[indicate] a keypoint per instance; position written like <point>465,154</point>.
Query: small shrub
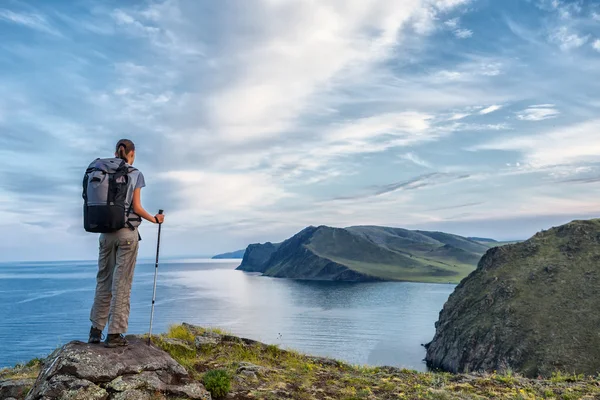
<point>180,332</point>
<point>36,362</point>
<point>273,351</point>
<point>218,331</point>
<point>217,382</point>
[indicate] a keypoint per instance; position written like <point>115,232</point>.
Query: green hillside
<point>530,307</point>
<point>363,253</point>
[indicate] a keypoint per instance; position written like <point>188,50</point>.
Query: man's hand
<point>160,218</point>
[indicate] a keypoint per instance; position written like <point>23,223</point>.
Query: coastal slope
<point>366,253</point>
<point>230,255</point>
<point>530,307</point>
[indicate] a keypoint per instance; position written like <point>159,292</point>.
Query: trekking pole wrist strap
<point>156,219</point>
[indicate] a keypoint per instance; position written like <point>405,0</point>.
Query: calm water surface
<point>44,305</point>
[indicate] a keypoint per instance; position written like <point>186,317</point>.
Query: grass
<point>283,373</point>
<point>30,370</point>
<point>428,270</point>
<point>289,374</point>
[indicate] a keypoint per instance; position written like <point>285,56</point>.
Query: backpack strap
<point>131,169</point>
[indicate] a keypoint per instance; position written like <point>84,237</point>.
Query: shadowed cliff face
<point>366,253</point>
<point>530,307</point>
<point>257,256</point>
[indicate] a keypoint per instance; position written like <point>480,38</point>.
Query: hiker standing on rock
<point>113,207</point>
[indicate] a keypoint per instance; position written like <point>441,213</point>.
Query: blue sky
<point>256,118</point>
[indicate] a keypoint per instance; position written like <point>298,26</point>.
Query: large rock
<point>83,371</point>
<point>530,307</point>
<point>15,388</point>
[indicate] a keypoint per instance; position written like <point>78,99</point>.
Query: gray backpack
<point>105,190</point>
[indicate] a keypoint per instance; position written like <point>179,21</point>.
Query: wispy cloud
<point>463,33</point>
<point>454,25</point>
<point>30,20</point>
<point>490,109</point>
<point>569,144</point>
<point>538,113</point>
<point>568,40</point>
<point>596,45</point>
<point>418,182</point>
<point>458,116</point>
<point>415,159</point>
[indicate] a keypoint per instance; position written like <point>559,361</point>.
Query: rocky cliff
<point>530,307</point>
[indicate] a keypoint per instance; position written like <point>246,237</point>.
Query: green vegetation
<point>29,370</point>
<point>244,369</point>
<point>531,306</point>
<point>497,244</point>
<point>181,333</point>
<point>217,382</point>
<point>288,374</point>
<point>364,253</point>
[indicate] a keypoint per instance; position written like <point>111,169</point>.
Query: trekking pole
<point>155,276</point>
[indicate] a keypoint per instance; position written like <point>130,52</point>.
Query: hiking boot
<point>116,340</point>
<point>95,336</point>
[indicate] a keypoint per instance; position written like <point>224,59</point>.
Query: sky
<point>253,119</point>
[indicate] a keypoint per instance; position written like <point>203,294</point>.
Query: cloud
<point>418,182</point>
<point>313,46</point>
<point>490,109</point>
<point>571,144</point>
<point>415,159</point>
<point>453,207</point>
<point>538,113</point>
<point>452,23</point>
<point>463,33</point>
<point>224,196</point>
<point>30,20</point>
<point>596,45</point>
<point>251,116</point>
<point>458,116</point>
<point>568,40</point>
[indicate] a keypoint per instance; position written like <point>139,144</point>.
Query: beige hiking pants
<point>118,253</point>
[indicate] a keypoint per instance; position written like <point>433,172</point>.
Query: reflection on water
<point>44,305</point>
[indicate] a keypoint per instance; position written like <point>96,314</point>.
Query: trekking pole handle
<point>160,212</point>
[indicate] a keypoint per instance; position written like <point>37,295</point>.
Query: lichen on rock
<point>83,371</point>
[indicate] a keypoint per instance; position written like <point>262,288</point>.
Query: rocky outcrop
<point>83,371</point>
<point>16,389</point>
<point>530,307</point>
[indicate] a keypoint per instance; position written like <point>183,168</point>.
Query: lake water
<point>45,305</point>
